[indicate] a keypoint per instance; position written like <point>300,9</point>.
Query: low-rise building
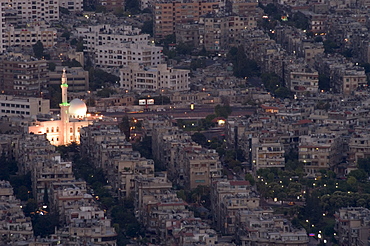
<point>352,225</point>
<point>261,227</point>
<point>227,198</point>
<point>137,77</point>
<point>23,106</point>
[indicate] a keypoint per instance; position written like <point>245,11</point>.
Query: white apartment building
<point>136,77</point>
<point>303,81</point>
<point>72,5</point>
<point>266,155</point>
<point>123,53</point>
<point>23,106</point>
<point>29,36</point>
<point>36,10</point>
<point>98,35</point>
<point>2,26</point>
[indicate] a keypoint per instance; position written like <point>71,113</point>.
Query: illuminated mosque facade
<point>72,118</point>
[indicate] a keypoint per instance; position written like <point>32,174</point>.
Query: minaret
<point>64,110</point>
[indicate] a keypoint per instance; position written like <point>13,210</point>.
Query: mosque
<point>72,118</point>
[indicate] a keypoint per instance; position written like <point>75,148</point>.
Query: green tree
<point>38,49</point>
<point>147,27</point>
<point>66,35</point>
<point>132,6</point>
<point>330,46</point>
<point>199,138</point>
<point>51,66</point>
<point>124,126</point>
<point>249,177</point>
<point>223,111</point>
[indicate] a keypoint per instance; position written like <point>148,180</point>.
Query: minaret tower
<point>64,109</point>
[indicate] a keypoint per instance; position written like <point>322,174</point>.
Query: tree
<point>242,66</point>
<point>124,126</point>
<point>249,177</point>
<point>51,66</point>
<point>364,164</point>
<point>147,27</point>
<point>324,82</point>
<point>199,138</point>
<point>330,46</point>
<point>283,92</point>
<point>38,49</point>
<point>66,35</point>
<point>132,6</point>
<point>223,111</point>
<point>359,174</point>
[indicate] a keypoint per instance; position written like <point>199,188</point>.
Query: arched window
<point>52,129</point>
<point>57,129</point>
<point>47,129</point>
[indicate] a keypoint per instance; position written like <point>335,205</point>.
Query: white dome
<point>77,108</point>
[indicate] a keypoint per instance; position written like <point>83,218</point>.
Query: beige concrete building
<point>14,226</point>
<point>303,80</point>
<point>319,152</point>
<point>36,10</point>
<point>267,155</point>
<point>352,226</point>
<point>22,76</point>
<point>78,78</point>
<point>121,54</point>
<point>23,106</point>
<point>167,14</point>
<point>26,37</point>
<point>261,227</point>
<point>227,198</point>
<point>137,77</point>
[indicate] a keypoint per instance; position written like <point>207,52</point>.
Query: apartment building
<point>359,148</point>
<point>78,78</point>
<point>215,32</point>
<point>267,155</point>
<point>302,80</point>
<point>122,169</point>
<point>201,166</point>
<point>352,226</point>
<point>23,106</point>
<point>26,37</point>
<point>319,152</point>
<point>2,26</point>
<point>262,227</point>
<point>72,6</point>
<point>31,10</point>
<point>167,14</point>
<point>22,77</point>
<point>227,198</point>
<point>85,221</point>
<point>14,226</point>
<point>113,4</point>
<point>137,77</point>
<point>46,172</point>
<point>104,34</point>
<point>121,54</point>
<point>67,195</point>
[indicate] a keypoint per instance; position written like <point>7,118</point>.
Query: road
<point>182,113</point>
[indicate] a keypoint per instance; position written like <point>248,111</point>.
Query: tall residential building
<point>26,37</point>
<point>169,13</point>
<point>123,53</point>
<point>19,76</point>
<point>2,26</point>
<point>136,77</point>
<point>32,10</point>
